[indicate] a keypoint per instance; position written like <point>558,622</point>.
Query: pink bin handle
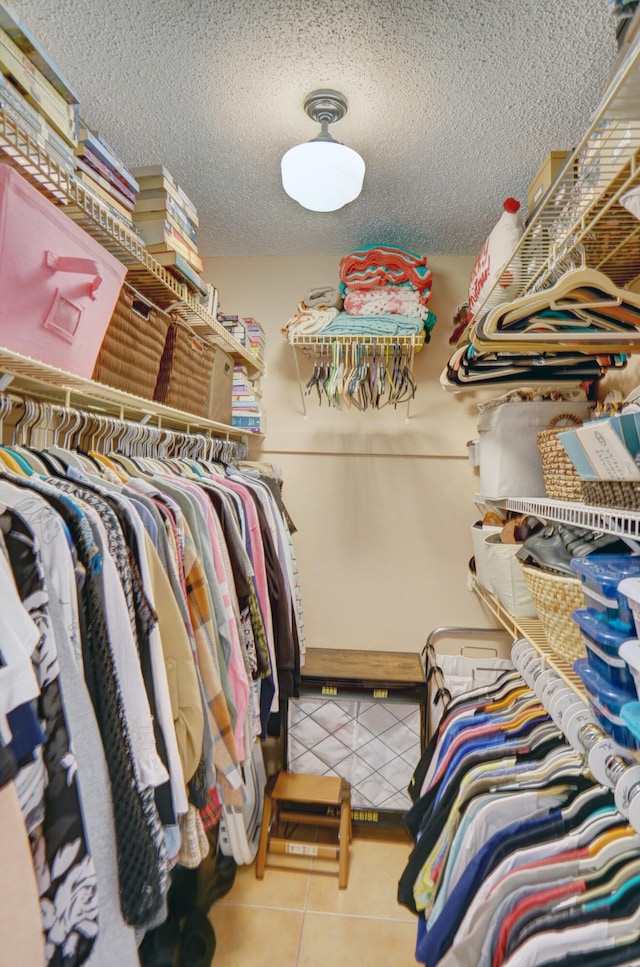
<point>63,263</point>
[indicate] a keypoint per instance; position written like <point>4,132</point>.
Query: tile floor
<point>297,917</point>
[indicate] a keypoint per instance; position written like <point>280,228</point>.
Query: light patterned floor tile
<point>338,941</point>
<point>374,870</point>
<point>248,937</point>
<point>285,885</point>
<point>297,918</point>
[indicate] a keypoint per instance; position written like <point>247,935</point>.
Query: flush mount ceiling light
<point>323,175</point>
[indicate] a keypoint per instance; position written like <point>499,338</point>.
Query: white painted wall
<point>383,507</point>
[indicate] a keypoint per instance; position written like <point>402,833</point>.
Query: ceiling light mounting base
<point>325,105</point>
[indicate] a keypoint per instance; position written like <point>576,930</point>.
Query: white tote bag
<point>507,578</point>
<point>478,534</point>
<point>510,464</point>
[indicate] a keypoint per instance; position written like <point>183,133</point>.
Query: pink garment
<point>256,553</point>
<point>386,300</point>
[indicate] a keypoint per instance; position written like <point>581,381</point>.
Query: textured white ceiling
<point>453,105</point>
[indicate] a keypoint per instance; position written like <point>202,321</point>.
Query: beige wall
<point>383,505</point>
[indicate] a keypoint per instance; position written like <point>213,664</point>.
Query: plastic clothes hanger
<point>578,291</point>
<point>607,887</point>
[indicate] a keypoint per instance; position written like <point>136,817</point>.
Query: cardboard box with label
<point>220,389</point>
<point>545,177</point>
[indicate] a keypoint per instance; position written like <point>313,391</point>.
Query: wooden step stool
<point>290,788</point>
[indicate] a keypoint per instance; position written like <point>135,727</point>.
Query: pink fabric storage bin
<point>58,286</point>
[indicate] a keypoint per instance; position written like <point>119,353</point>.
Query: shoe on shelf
<point>548,551</point>
<point>198,942</point>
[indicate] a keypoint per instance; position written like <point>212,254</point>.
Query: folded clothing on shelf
<point>388,325</point>
<point>376,265</point>
<point>385,300</point>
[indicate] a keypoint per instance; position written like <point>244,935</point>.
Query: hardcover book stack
<point>167,220</point>
<point>246,406</point>
<point>104,174</point>
<point>36,96</point>
<point>235,326</point>
<point>255,338</point>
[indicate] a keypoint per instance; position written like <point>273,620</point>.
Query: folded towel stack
<point>314,313</point>
<point>387,286</point>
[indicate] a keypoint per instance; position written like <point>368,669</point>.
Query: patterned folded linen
<point>377,265</point>
<point>308,322</point>
<point>385,300</point>
<point>323,296</point>
<point>391,325</point>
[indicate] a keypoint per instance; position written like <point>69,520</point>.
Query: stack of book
<point>255,337</point>
<point>104,174</point>
<point>18,110</point>
<point>236,327</point>
<point>167,220</point>
<point>32,71</point>
<point>246,403</point>
<point>36,98</point>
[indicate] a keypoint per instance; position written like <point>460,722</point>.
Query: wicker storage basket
<point>132,348</point>
<point>556,597</point>
<point>561,479</point>
<point>624,494</point>
<point>185,370</point>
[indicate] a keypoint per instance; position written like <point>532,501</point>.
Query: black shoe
<point>182,893</point>
<point>198,943</point>
<point>160,944</point>
<point>216,883</point>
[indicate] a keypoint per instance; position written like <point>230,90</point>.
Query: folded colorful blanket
<point>323,296</point>
<point>308,322</point>
<point>385,300</point>
<point>391,325</point>
<point>377,265</point>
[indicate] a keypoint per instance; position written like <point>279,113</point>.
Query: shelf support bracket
<point>304,405</point>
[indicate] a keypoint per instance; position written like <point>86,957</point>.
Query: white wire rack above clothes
<point>39,423</point>
<point>358,372</point>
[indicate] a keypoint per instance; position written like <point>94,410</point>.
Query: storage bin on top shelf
<point>58,286</point>
<point>605,454</point>
<point>510,462</point>
<point>133,345</point>
<point>185,370</point>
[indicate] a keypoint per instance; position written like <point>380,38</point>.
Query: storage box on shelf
<point>606,702</point>
<point>555,597</point>
<point>58,286</point>
<point>506,577</point>
<point>144,272</point>
<point>185,370</point>
<point>133,345</point>
<point>603,645</point>
<point>575,213</point>
<point>510,460</point>
<point>601,577</point>
<point>544,178</point>
<point>219,395</point>
<point>479,532</point>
